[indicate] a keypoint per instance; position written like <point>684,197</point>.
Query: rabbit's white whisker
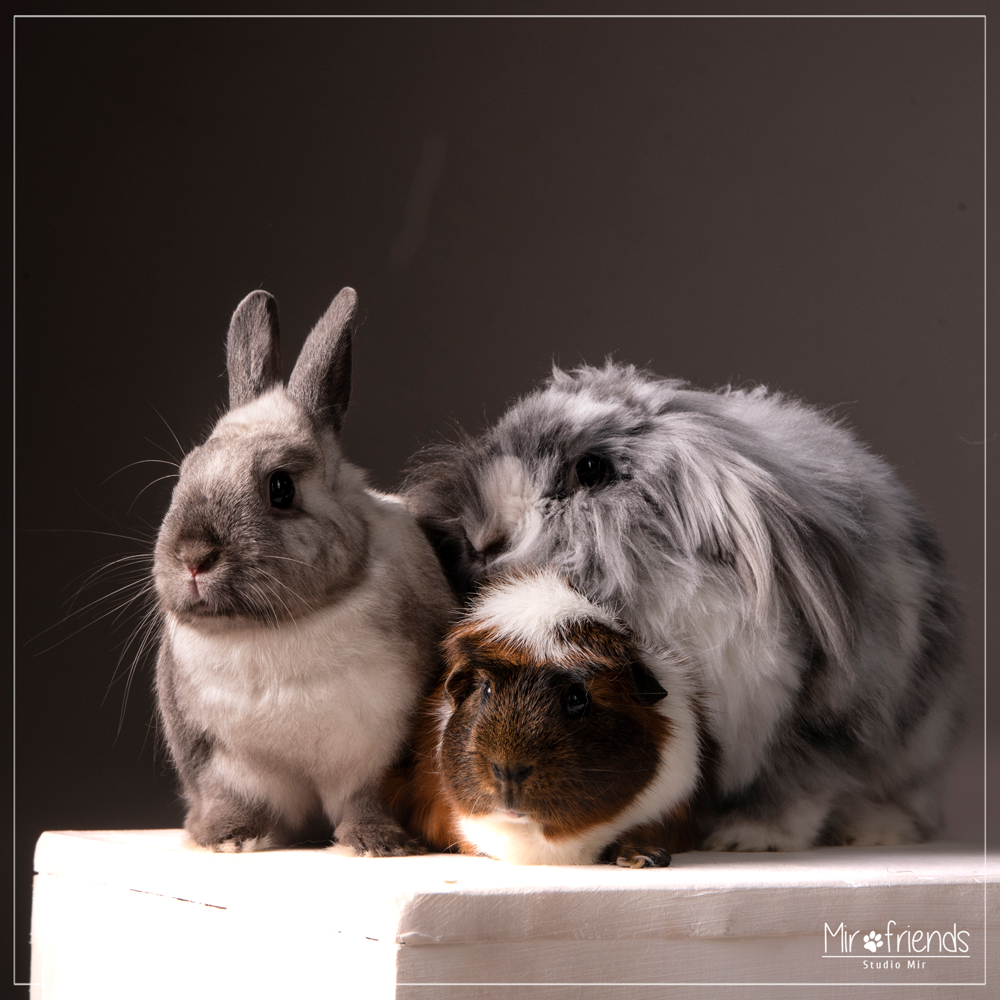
<point>141,461</point>
<point>147,486</point>
<point>180,447</point>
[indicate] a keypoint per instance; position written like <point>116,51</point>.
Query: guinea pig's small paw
<point>635,861</point>
<point>654,857</point>
<point>379,840</point>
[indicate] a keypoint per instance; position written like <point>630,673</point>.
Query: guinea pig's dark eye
<point>592,470</point>
<point>576,701</point>
<point>282,490</point>
<point>487,688</point>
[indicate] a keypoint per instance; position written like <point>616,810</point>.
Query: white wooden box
<point>137,914</point>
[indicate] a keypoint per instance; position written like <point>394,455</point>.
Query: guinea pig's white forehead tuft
<point>529,610</point>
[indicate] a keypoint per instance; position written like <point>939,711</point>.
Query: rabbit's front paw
<point>877,824</point>
<point>379,839</point>
<point>794,828</point>
<point>230,831</point>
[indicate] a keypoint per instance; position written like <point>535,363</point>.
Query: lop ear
<point>647,688</point>
<point>253,351</point>
<point>321,380</point>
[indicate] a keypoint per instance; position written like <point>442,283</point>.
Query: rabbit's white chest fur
<point>311,710</point>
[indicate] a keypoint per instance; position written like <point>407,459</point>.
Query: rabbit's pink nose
<point>196,566</point>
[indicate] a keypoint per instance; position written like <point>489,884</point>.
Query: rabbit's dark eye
<point>592,470</point>
<point>282,490</point>
<point>576,702</point>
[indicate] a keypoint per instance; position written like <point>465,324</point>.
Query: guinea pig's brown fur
<point>550,739</point>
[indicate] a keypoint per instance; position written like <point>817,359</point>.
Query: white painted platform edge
<point>438,899</point>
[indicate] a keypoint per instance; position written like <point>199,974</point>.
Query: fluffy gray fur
<point>759,538</point>
<point>300,625</point>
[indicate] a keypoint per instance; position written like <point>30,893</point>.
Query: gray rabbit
<point>758,538</point>
<point>301,612</point>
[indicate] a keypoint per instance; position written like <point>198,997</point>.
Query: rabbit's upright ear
<point>321,380</point>
<point>253,351</point>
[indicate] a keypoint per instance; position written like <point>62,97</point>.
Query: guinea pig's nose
<point>511,772</point>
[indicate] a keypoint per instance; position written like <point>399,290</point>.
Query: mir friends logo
<point>895,947</point>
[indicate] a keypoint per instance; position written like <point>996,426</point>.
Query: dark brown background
<point>794,202</point>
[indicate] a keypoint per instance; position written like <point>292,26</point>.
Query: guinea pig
<point>552,738</point>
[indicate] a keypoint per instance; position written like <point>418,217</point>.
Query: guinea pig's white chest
<point>308,694</point>
<point>522,842</point>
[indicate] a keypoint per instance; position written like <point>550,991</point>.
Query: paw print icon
<point>873,941</point>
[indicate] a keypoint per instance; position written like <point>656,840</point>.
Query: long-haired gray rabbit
<point>301,612</point>
<point>782,558</point>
